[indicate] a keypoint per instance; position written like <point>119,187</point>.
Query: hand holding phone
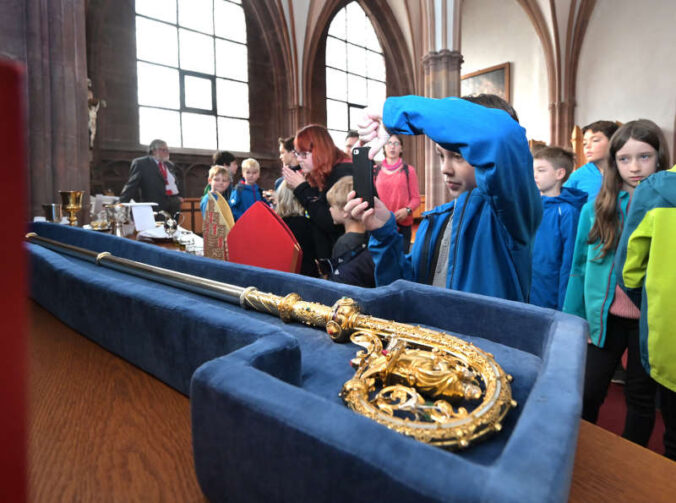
<point>362,168</point>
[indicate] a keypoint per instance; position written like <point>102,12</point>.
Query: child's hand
<point>372,218</point>
<point>371,129</point>
<point>270,196</point>
<point>293,178</point>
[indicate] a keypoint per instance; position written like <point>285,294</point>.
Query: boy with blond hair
<point>351,261</point>
<point>246,193</point>
<point>219,180</point>
<point>555,238</point>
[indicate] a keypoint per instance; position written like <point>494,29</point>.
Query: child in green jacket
<point>645,267</point>
<point>637,150</point>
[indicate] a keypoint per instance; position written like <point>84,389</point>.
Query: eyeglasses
<point>394,143</point>
<point>301,155</point>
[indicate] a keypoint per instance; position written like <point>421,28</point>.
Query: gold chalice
<point>72,203</point>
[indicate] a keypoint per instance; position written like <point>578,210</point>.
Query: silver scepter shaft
<point>216,289</point>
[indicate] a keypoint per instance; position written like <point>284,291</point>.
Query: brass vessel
<point>71,201</point>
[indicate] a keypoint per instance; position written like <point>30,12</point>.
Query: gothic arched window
<point>355,70</point>
<point>192,68</point>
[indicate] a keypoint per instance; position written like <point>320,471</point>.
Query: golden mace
<point>424,383</point>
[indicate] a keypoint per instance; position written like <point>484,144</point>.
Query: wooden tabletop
<point>103,430</point>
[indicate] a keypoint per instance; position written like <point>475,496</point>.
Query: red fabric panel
<point>261,238</point>
<point>13,336</point>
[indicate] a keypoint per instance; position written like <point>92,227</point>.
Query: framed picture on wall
<point>492,80</point>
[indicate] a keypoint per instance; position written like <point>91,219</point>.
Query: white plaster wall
<point>497,31</point>
<point>627,66</point>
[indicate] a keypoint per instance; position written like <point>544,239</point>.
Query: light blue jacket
<point>493,225</point>
<point>587,178</point>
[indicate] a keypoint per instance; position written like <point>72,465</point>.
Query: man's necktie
<point>163,172</point>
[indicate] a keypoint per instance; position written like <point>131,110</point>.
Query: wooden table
<point>104,430</point>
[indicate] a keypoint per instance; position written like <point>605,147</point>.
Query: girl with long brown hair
<point>322,164</point>
<point>637,150</point>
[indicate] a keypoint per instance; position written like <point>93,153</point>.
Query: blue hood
<point>570,195</point>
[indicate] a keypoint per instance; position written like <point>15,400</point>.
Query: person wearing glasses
<point>321,165</point>
<point>152,178</point>
<point>397,187</point>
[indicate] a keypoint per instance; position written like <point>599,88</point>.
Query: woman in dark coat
<point>322,164</point>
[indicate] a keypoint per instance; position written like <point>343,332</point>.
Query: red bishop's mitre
<point>262,239</point>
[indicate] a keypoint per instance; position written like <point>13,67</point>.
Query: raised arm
<point>490,140</point>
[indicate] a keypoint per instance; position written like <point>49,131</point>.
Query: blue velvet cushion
<point>262,434</point>
<point>268,424</point>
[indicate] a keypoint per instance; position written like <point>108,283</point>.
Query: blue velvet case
<point>268,424</point>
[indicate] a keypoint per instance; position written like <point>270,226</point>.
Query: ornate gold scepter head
<point>424,383</point>
<point>390,383</point>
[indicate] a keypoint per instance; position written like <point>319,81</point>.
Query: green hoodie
<point>646,269</point>
<point>591,287</point>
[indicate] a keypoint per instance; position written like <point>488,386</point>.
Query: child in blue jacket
<point>246,193</point>
<point>555,238</point>
<point>595,141</point>
<point>481,241</point>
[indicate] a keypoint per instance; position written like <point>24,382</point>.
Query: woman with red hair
<point>322,164</point>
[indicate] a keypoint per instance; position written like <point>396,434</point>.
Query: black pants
<point>668,404</point>
<point>621,334</point>
<point>639,390</point>
<point>405,230</point>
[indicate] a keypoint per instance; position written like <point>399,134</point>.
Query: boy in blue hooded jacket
<point>480,242</point>
<point>555,238</point>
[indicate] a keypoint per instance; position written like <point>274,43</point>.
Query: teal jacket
<point>646,270</point>
<point>591,287</point>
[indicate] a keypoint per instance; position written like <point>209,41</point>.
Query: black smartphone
<point>295,168</point>
<point>362,170</point>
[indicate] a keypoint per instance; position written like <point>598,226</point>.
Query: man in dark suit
<point>153,179</point>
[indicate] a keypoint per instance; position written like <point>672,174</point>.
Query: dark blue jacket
<point>243,197</point>
<point>554,246</point>
<point>493,225</point>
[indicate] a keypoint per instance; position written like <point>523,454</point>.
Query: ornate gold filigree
<point>424,383</point>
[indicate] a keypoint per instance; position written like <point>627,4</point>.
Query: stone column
<point>58,156</point>
<point>441,79</point>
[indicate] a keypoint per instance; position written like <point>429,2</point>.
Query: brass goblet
<point>72,203</point>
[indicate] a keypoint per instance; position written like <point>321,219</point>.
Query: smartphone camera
<point>362,168</point>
